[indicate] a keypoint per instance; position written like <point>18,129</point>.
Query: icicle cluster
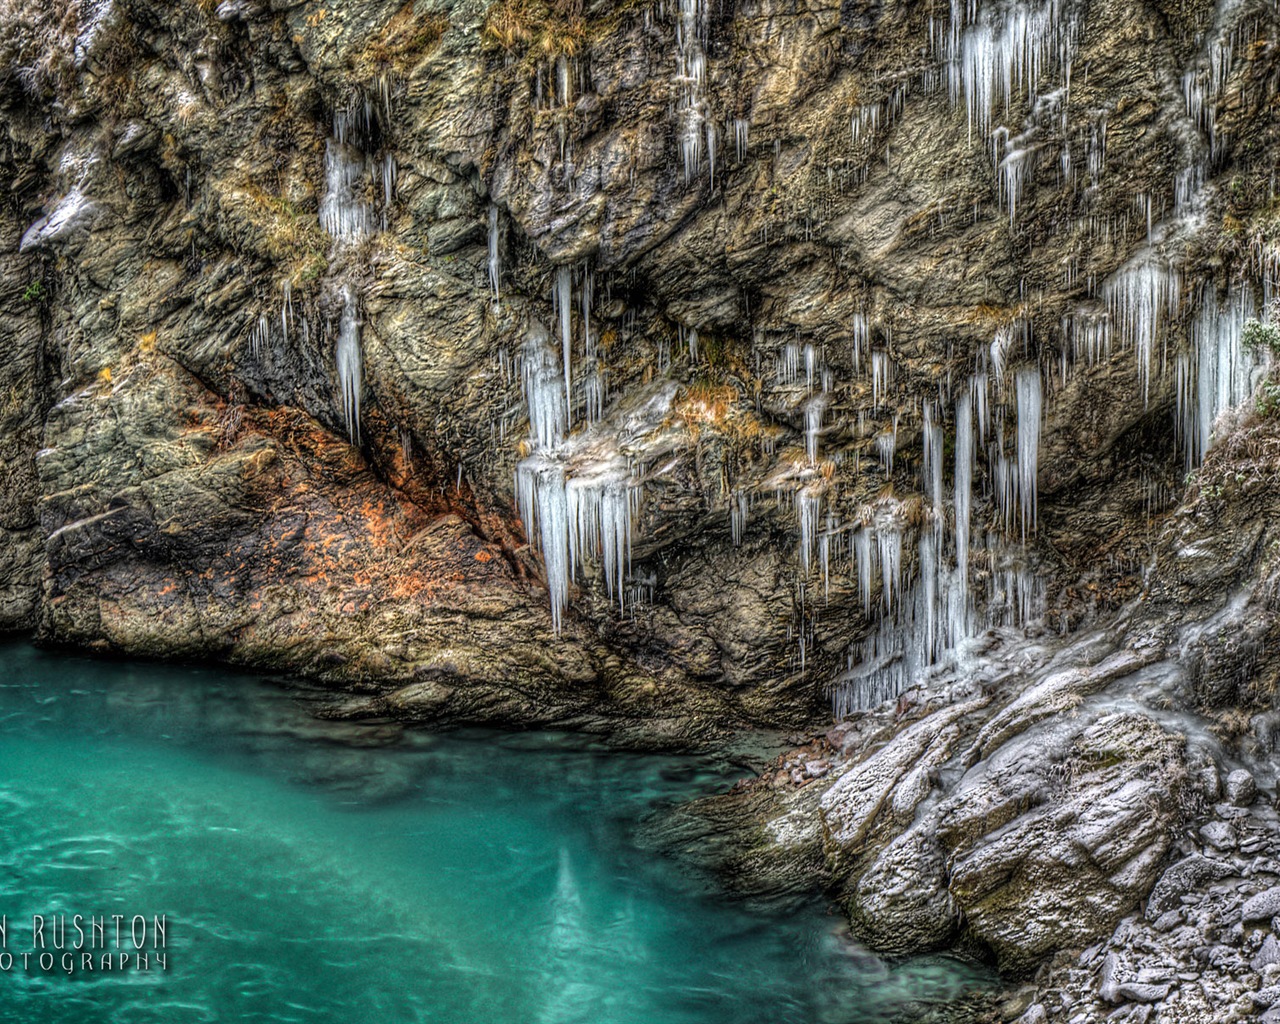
<point>697,129</point>
<point>924,623</point>
<point>1218,373</point>
<point>577,493</point>
<point>1142,296</point>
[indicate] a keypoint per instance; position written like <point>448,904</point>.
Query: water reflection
<point>321,870</point>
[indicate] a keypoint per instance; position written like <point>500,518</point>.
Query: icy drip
<point>1218,374</point>
<point>344,212</point>
<point>1203,84</point>
<point>348,361</point>
<point>933,455</point>
<point>790,359</point>
<point>693,111</point>
<point>923,622</point>
<point>738,513</point>
<point>813,412</point>
<point>999,53</point>
<point>594,389</point>
<point>600,509</point>
<point>964,487</point>
<point>562,301</point>
<point>886,446</point>
<point>543,391</point>
<point>915,630</point>
<point>1142,297</point>
<point>1030,411</point>
<point>577,495</point>
<point>588,515</point>
<point>259,336</point>
<point>860,332</point>
<point>881,376</point>
<point>540,494</point>
<point>495,256</point>
<point>808,508</point>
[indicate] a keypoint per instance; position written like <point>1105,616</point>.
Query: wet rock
<point>1219,835</point>
<point>1240,789</point>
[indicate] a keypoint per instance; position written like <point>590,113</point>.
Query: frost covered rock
<point>1035,865</point>
<point>901,903</point>
<point>73,213</point>
<point>1181,878</point>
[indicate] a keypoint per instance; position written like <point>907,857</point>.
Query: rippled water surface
<point>317,871</point>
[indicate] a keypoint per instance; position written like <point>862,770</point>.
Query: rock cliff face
<point>662,367</point>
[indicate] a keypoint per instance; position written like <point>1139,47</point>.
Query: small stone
<point>1219,835</point>
<point>1240,788</point>
<point>1179,879</point>
<point>1210,783</point>
<point>1035,1015</point>
<point>1272,1016</point>
<point>1268,954</point>
<point>1108,978</point>
<point>1137,992</point>
<point>1265,997</point>
<point>1262,907</point>
<point>1167,922</point>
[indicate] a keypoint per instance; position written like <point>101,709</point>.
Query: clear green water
<point>316,871</point>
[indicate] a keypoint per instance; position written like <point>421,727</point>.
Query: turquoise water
<point>320,871</point>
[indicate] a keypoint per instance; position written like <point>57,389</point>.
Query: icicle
<point>886,445</point>
<point>541,497</point>
<point>1030,405</point>
<point>866,566</point>
<point>693,111</point>
<point>813,410</point>
<point>964,485</point>
<point>495,256</point>
<point>808,505</point>
<point>1002,54</point>
<point>861,336</point>
<point>562,299</point>
<point>259,336</point>
<point>349,363</point>
<point>543,390</point>
<point>738,509</point>
<point>789,363</point>
<point>881,376</point>
<point>933,454</point>
<point>600,506</point>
